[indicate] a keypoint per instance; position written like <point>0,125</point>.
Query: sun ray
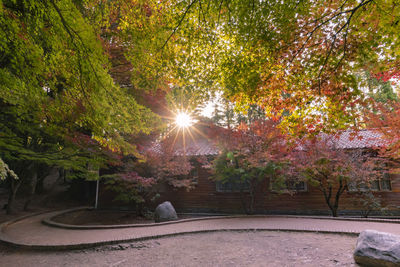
<point>200,133</point>
<point>184,142</point>
<point>191,136</point>
<point>176,137</point>
<point>183,119</point>
<point>170,131</point>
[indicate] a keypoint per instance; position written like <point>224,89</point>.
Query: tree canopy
<point>54,67</point>
<point>81,82</point>
<point>298,57</point>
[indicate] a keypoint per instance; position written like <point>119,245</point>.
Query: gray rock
<point>377,249</point>
<point>165,212</point>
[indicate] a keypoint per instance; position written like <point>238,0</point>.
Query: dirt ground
<point>247,248</point>
<point>94,217</point>
<point>106,217</point>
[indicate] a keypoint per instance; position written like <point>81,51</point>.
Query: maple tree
<point>130,183</point>
<point>52,58</point>
<point>385,118</point>
<point>250,154</point>
<point>55,87</point>
<point>298,57</point>
<point>31,149</point>
<point>162,162</point>
<point>369,202</point>
<point>381,90</point>
<point>331,169</point>
<point>169,163</point>
<point>91,69</point>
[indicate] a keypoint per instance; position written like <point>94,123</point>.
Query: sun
<point>183,120</point>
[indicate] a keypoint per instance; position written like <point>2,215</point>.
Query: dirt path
<point>248,248</point>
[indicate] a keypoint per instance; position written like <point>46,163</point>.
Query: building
<point>209,196</point>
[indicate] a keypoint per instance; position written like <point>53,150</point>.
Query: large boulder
<point>165,212</point>
<point>377,249</point>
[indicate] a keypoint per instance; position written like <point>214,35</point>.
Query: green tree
<point>55,86</point>
<point>381,91</point>
<point>52,58</point>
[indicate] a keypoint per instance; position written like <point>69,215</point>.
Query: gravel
<point>245,248</point>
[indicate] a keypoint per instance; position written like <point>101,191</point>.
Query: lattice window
<point>231,186</point>
<point>380,184</point>
<point>293,186</point>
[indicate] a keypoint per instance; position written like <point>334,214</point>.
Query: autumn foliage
<point>250,154</point>
<point>320,162</point>
<point>385,118</point>
<point>136,180</point>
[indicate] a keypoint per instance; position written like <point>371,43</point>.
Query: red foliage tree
<point>250,154</point>
<point>385,118</point>
<point>331,169</point>
<point>169,164</point>
<point>135,179</point>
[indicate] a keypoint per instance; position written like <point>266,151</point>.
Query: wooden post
<point>97,194</point>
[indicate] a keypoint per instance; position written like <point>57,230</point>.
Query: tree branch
<point>179,23</point>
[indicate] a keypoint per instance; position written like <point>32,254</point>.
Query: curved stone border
<point>4,238</point>
<point>49,221</point>
<point>129,240</point>
<point>5,224</point>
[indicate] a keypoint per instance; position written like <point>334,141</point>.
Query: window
<point>354,187</point>
<point>231,186</point>
<point>286,186</point>
<point>381,184</point>
<point>299,186</point>
<point>194,175</point>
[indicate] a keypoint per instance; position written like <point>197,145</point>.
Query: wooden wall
<point>205,198</point>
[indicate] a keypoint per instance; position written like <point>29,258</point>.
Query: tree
<point>136,180</point>
<point>168,163</point>
<point>131,183</point>
<point>251,154</point>
<point>300,57</point>
<point>6,172</point>
<point>331,169</point>
<point>381,90</point>
<point>385,117</point>
<point>31,148</point>
<point>55,85</point>
<point>368,202</point>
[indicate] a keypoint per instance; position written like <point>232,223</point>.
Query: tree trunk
<point>336,205</point>
<point>61,173</point>
<point>252,200</point>
<point>42,172</point>
<point>334,211</point>
<point>339,192</point>
<point>14,185</point>
<point>32,189</point>
<point>243,201</point>
<point>327,197</point>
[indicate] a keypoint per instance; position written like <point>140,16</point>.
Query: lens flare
<point>183,120</point>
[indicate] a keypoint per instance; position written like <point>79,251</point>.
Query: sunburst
<point>183,120</point>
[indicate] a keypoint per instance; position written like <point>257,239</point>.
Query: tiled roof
<point>200,147</point>
<point>368,138</point>
<point>195,143</point>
